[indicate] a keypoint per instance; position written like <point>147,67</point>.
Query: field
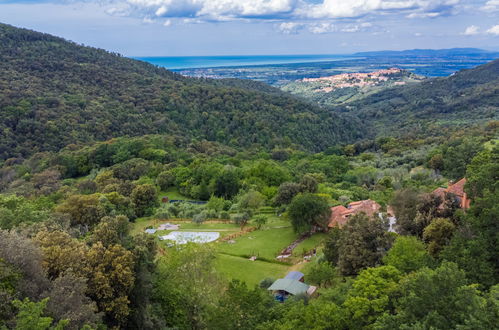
<point>251,272</point>
<point>233,258</point>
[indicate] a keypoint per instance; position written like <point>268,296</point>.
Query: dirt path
<point>289,249</point>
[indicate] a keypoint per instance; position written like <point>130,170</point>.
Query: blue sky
<point>251,27</point>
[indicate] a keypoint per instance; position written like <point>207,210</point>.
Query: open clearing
<point>251,272</point>
<point>233,258</point>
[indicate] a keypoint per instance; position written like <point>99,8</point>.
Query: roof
<point>340,214</point>
<point>291,286</point>
<point>457,188</point>
<point>294,276</point>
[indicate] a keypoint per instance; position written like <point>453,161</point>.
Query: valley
<point>359,196</point>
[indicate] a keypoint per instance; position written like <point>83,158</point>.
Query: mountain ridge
<point>54,92</point>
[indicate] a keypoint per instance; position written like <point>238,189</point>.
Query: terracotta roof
<point>457,188</point>
<point>340,214</point>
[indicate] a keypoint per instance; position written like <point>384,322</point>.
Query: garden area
<point>248,252</point>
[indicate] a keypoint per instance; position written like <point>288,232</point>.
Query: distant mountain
<point>428,52</point>
<point>54,93</point>
<point>349,87</point>
<point>467,97</point>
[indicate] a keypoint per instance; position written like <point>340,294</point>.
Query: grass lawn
<point>309,243</point>
<point>265,243</point>
<point>251,272</point>
<point>172,193</point>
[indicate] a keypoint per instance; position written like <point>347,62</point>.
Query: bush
<point>199,218</point>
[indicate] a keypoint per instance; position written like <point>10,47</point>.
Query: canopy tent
<point>293,287</point>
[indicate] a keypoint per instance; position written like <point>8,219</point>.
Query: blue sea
<point>194,62</point>
<point>280,69</point>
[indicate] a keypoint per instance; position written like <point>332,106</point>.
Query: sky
<point>260,27</point>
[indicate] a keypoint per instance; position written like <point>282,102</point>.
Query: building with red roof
<point>456,189</point>
<point>340,214</point>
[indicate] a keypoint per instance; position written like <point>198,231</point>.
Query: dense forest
<point>54,92</point>
<point>102,155</point>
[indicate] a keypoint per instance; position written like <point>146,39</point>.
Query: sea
<point>196,62</point>
<point>281,69</point>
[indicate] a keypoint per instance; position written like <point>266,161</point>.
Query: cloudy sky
<point>232,27</point>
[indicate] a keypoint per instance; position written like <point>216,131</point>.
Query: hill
<point>349,87</point>
<point>465,98</point>
<point>54,92</point>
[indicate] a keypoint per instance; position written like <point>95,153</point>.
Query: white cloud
<point>471,30</point>
<point>494,30</point>
<point>491,5</point>
<point>224,10</point>
<point>290,27</point>
<point>321,28</point>
<point>357,8</point>
<point>168,22</point>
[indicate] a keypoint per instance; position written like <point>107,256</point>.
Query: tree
<point>83,209</point>
<point>404,204</point>
<point>438,234</point>
<point>251,201</point>
<point>286,192</point>
<point>111,230</point>
<point>227,184</point>
<point>241,308</point>
<point>30,316</point>
<point>307,211</point>
<point>474,246</point>
<point>145,199</point>
<point>260,220</point>
<point>370,295</point>
<point>110,273</point>
<point>215,203</point>
<point>482,174</point>
<point>25,257</point>
<point>434,299</point>
<point>317,314</point>
<point>61,252</point>
<point>165,180</point>
<point>308,184</point>
<point>199,218</point>
<point>67,301</point>
<point>407,254</point>
<point>361,243</point>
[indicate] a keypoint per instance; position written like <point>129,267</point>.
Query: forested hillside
<point>465,98</point>
<point>54,92</point>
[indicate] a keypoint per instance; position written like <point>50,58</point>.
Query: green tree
<point>30,316</point>
<point>361,243</point>
<point>438,234</point>
<point>260,220</point>
<point>145,199</point>
<point>84,210</point>
<point>286,192</point>
<point>407,254</point>
<point>370,296</point>
<point>434,299</point>
<point>227,184</point>
<point>307,211</point>
<point>241,308</point>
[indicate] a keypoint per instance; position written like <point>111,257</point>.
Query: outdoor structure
<point>284,287</point>
<point>341,214</point>
<point>295,276</point>
<point>456,189</point>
